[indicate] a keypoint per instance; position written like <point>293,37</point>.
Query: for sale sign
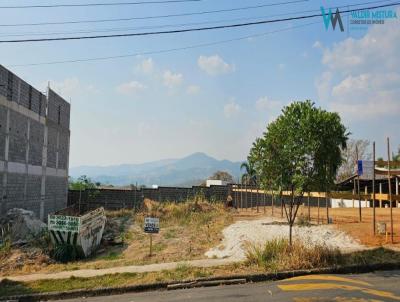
<point>151,225</point>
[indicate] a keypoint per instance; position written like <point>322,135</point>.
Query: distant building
<point>215,182</point>
<point>34,147</point>
<point>365,181</point>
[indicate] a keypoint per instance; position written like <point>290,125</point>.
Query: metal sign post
<point>151,226</point>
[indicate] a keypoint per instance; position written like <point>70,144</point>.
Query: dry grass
<point>278,255</point>
<point>187,231</point>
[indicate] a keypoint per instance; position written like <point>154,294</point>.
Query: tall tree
<point>249,177</point>
<point>300,151</point>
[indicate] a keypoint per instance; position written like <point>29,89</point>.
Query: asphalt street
<point>371,287</point>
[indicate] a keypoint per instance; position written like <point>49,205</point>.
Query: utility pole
<point>373,190</point>
<point>390,192</point>
<point>358,187</point>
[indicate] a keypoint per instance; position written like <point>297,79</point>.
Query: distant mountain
<point>187,171</point>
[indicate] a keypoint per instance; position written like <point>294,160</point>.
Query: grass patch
<point>378,255</point>
<point>182,272</point>
<point>302,221</point>
<point>170,234</point>
<point>278,255</point>
<point>111,256</point>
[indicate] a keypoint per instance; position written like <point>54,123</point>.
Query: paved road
<point>372,287</point>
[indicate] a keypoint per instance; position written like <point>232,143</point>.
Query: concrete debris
<point>23,224</point>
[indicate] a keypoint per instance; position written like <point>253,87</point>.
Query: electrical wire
<point>198,29</point>
<point>19,34</point>
<point>145,53</point>
<point>96,4</point>
<point>157,17</point>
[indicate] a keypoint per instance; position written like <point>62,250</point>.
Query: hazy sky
<point>215,99</point>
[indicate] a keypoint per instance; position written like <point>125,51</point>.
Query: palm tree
<point>249,177</point>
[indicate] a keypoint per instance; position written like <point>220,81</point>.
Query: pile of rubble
<point>21,225</point>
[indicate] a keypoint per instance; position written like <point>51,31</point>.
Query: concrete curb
<point>203,282</point>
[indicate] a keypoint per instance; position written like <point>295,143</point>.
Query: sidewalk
<point>87,273</point>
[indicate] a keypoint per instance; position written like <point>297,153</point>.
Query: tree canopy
<point>82,183</point>
<point>301,149</point>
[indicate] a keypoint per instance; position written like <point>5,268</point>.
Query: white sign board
<point>63,223</point>
<point>151,225</point>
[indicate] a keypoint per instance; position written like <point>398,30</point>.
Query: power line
<point>237,25</point>
<point>157,17</point>
<point>165,50</point>
<point>96,4</point>
<point>19,34</point>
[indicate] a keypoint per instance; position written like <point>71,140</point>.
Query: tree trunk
<point>290,234</point>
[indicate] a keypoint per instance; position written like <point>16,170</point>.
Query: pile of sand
<point>259,231</point>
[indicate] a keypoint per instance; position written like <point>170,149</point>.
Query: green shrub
<point>66,252</point>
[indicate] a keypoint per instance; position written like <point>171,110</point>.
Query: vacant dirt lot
<point>187,231</point>
<point>345,219</point>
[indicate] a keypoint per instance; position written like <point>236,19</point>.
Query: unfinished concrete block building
<point>34,147</point>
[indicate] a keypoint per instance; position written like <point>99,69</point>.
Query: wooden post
<point>373,191</point>
<point>397,191</point>
<point>354,191</point>
<point>151,244</point>
<point>390,192</point>
<point>318,209</point>
<point>257,199</point>
<point>237,195</point>
<point>358,189</point>
<point>251,198</point>
<point>272,202</point>
<point>366,193</point>
<point>264,199</point>
<point>309,210</point>
<point>327,207</point>
<point>245,194</point>
<point>380,192</point>
<point>241,195</point>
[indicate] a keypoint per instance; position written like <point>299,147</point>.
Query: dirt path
<point>87,273</point>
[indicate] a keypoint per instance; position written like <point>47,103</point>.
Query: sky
<point>215,99</point>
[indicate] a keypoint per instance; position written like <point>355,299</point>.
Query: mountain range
<point>186,171</point>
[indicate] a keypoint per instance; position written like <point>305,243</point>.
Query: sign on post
<point>151,225</point>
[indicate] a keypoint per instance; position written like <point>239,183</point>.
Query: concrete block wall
<point>127,199</point>
<point>34,147</point>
